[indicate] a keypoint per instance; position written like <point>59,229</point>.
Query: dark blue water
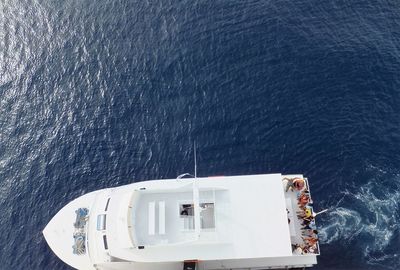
<point>97,94</point>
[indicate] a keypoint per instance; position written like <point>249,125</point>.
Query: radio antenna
<point>195,165</point>
<point>195,160</point>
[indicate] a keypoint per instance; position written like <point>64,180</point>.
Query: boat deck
<point>164,221</point>
<point>223,222</point>
<point>240,216</point>
<point>297,233</point>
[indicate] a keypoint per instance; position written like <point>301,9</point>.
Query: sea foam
<point>370,213</point>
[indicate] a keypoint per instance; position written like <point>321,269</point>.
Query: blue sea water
<point>97,94</point>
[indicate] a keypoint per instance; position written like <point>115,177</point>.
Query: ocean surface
<point>96,94</point>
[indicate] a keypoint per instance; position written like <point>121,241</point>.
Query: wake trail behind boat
<point>370,214</point>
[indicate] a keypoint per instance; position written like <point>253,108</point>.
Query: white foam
<point>374,216</point>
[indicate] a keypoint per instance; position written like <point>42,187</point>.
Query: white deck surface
<point>59,233</point>
<point>256,224</point>
<point>295,225</point>
<point>250,221</point>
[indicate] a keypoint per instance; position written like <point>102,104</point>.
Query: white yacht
<point>226,222</point>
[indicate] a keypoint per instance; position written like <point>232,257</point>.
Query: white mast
<point>196,195</point>
<point>195,160</point>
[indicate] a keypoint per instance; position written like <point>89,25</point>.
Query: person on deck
<point>310,233</point>
<point>294,184</point>
<point>310,240</point>
<point>303,200</point>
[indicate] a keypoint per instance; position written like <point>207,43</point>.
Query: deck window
<point>101,222</point>
<point>186,210</point>
<point>207,216</point>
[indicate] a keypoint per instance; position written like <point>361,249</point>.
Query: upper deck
<point>169,217</point>
<point>209,218</point>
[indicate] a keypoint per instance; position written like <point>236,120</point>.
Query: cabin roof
<point>250,219</point>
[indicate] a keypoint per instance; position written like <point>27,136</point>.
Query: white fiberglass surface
<point>240,217</point>
<point>158,219</point>
<point>170,218</point>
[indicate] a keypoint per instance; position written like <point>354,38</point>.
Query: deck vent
<point>140,247</point>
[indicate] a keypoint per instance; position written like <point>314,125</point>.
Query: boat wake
<point>368,218</point>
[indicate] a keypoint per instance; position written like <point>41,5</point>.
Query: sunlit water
<point>96,94</point>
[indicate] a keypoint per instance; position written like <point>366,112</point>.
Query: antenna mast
<point>195,160</point>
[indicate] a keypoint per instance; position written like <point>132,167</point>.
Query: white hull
<point>135,226</point>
